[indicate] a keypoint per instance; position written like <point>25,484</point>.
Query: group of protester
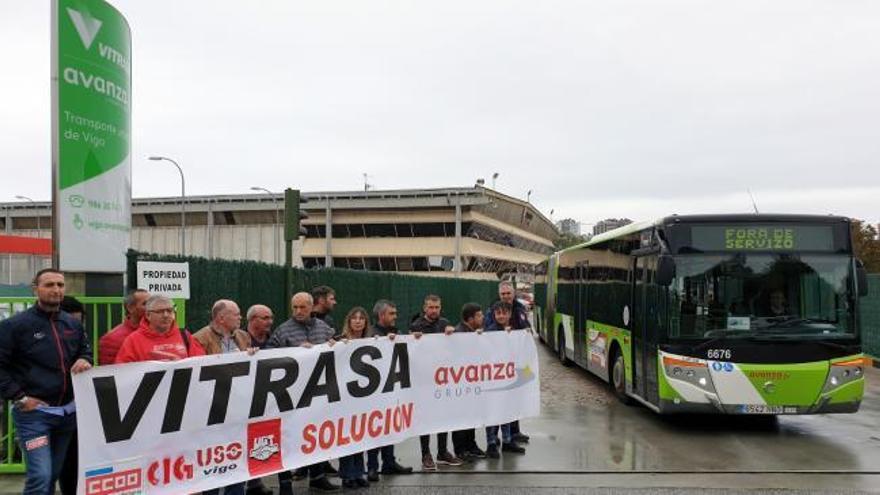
<point>42,346</point>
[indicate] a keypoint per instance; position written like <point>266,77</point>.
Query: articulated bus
<point>737,314</point>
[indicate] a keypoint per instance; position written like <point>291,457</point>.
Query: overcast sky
<point>602,108</point>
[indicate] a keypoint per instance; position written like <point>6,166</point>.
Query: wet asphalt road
<point>585,441</point>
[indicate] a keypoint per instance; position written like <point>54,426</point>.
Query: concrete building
<point>610,224</point>
<point>472,232</point>
<point>569,226</point>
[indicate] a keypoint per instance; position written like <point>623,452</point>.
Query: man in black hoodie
<point>430,321</point>
<point>385,314</point>
<point>39,349</point>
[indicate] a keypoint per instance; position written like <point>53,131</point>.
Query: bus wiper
<point>722,337</point>
<point>789,322</point>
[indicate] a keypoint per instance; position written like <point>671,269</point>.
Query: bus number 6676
<point>718,354</point>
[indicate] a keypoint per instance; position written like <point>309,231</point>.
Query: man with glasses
<point>158,338</point>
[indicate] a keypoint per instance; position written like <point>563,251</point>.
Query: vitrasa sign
<point>91,120</point>
<point>201,423</point>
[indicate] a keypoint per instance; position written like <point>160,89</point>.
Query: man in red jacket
<point>110,343</point>
<point>158,338</point>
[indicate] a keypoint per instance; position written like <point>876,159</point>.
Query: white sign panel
<point>168,279</point>
<point>202,423</point>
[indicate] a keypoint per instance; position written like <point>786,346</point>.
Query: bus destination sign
<point>762,237</point>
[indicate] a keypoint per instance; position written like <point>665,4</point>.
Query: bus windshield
<point>762,296</point>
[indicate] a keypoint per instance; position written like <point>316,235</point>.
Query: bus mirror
<point>665,270</point>
<point>861,278</point>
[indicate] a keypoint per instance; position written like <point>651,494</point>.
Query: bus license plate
<point>761,409</point>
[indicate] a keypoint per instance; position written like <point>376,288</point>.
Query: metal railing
<point>102,314</point>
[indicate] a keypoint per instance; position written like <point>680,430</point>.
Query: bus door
<point>651,320</point>
<point>644,335</point>
<point>580,313</point>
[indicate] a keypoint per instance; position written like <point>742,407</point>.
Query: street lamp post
<point>182,202</point>
<point>494,177</point>
<point>277,220</point>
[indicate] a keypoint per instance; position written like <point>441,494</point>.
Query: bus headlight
<point>691,371</point>
<point>843,372</point>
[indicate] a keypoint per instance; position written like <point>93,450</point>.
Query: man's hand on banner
<point>252,350</point>
<point>391,336</point>
<point>417,335</point>
<point>80,365</point>
<point>306,345</point>
<point>449,330</point>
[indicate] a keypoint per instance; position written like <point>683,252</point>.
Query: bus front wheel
<point>618,378</point>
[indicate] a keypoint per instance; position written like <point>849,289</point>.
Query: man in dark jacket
<point>519,316</point>
<point>39,349</point>
<point>519,320</point>
<point>302,330</point>
<point>501,311</point>
<point>464,441</point>
<point>430,321</point>
<point>325,301</point>
<point>385,314</point>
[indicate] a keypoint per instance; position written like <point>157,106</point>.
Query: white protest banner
<point>168,279</point>
<point>202,423</point>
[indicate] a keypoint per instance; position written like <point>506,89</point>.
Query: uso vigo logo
<point>110,480</point>
<point>264,447</point>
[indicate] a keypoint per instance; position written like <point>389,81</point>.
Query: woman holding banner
<point>351,467</point>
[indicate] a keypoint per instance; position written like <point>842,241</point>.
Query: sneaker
<point>512,447</point>
<point>349,484</point>
<point>492,451</point>
<point>447,459</point>
<point>428,463</point>
<point>373,475</point>
<point>300,474</point>
<point>323,484</point>
<point>520,438</point>
<point>477,453</point>
<point>396,468</point>
<point>362,483</point>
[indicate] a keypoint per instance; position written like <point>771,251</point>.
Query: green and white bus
<point>739,314</point>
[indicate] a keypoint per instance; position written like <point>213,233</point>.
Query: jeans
<point>351,467</point>
<point>236,489</point>
<point>44,438</point>
<point>492,434</point>
<point>387,457</point>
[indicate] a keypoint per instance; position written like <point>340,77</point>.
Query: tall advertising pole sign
<point>91,120</point>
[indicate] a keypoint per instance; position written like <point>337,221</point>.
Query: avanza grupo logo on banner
<point>91,88</point>
<point>202,423</point>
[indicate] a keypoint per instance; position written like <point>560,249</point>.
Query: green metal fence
<point>248,282</point>
<point>102,314</point>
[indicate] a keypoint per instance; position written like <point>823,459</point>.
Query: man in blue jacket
<point>519,320</point>
<point>39,349</point>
